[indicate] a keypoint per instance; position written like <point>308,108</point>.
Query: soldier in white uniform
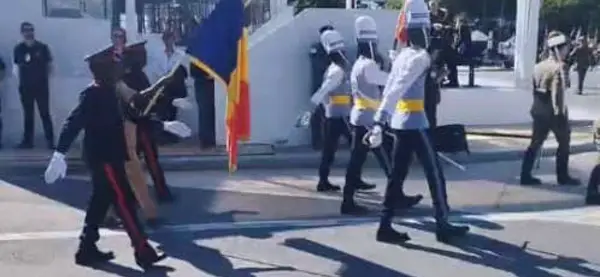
<point>334,95</point>
<point>403,107</point>
<point>366,78</point>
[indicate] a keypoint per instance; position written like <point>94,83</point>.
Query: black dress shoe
<point>407,202</point>
<point>148,258</point>
<point>592,200</point>
<point>87,256</point>
<point>530,181</point>
<point>389,235</point>
<point>445,232</point>
<point>569,181</point>
<point>327,187</point>
<point>365,186</point>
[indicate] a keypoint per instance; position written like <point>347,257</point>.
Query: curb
<point>281,161</point>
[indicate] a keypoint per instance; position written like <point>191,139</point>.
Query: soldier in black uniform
<point>136,79</point>
<point>436,73</point>
<point>320,62</point>
<point>549,111</point>
<point>100,114</point>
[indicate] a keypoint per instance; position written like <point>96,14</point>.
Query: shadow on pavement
<point>352,266</point>
<point>502,256</point>
<point>196,206</point>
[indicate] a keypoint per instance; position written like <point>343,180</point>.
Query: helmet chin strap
<point>371,50</point>
<point>343,57</point>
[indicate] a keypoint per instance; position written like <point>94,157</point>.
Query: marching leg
<point>87,252</point>
<point>136,176</point>
<point>150,149</point>
<point>437,187</point>
<point>347,132</point>
<point>402,159</point>
<point>541,128</point>
<point>562,133</point>
<point>353,172</point>
<point>123,200</point>
<point>592,197</point>
<point>333,127</point>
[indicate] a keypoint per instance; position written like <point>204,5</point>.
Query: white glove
<point>375,137</point>
<point>392,54</point>
<point>57,168</point>
<point>182,103</point>
<point>177,128</point>
<point>303,120</point>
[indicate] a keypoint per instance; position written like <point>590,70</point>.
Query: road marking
<point>562,216</point>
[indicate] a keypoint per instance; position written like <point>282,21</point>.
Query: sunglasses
<point>27,30</point>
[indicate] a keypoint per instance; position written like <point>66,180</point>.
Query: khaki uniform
<point>549,113</point>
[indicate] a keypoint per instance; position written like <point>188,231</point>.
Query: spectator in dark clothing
<point>33,60</point>
<point>581,55</point>
<point>2,76</point>
<point>204,88</point>
<point>320,62</point>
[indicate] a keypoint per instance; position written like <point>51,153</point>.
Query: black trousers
<point>581,72</point>
<point>542,125</point>
<point>148,146</point>
<point>316,128</point>
<point>594,181</point>
<point>431,113</point>
<point>205,98</point>
<point>40,96</point>
<point>358,156</point>
<point>407,143</point>
<point>359,153</point>
<point>334,128</point>
<point>111,187</point>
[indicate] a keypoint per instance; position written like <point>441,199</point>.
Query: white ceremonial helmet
<point>332,41</point>
<point>366,29</point>
<point>366,32</point>
<point>418,17</point>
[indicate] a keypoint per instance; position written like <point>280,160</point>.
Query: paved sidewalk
<point>272,223</point>
<point>486,143</point>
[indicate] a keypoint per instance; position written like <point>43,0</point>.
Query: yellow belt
<point>366,104</point>
<point>340,100</point>
<point>410,106</point>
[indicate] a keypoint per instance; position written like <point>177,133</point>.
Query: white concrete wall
<point>280,69</point>
<point>69,40</point>
<point>279,66</point>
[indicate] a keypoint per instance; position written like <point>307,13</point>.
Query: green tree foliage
<point>568,14</point>
<point>394,4</point>
<point>303,4</point>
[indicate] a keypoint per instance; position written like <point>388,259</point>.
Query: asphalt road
<point>273,223</point>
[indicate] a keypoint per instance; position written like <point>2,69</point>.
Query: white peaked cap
<point>366,28</point>
<point>417,14</point>
<point>332,41</point>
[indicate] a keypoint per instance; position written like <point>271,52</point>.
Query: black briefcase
<point>450,139</point>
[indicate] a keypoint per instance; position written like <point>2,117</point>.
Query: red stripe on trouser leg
<point>152,163</point>
<point>126,214</point>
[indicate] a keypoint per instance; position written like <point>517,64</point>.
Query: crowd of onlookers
<point>32,66</point>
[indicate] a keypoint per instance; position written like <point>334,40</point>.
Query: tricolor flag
<point>219,46</point>
<point>401,35</point>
